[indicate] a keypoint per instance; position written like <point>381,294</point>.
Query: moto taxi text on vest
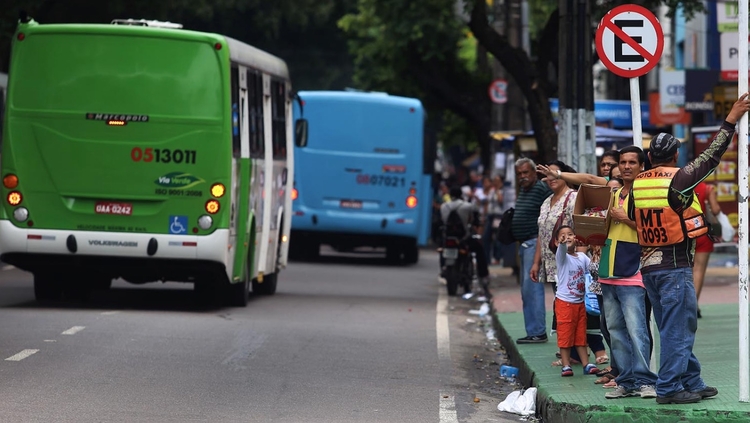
<point>657,223</point>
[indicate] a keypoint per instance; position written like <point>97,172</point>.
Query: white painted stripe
<point>109,313</point>
<point>74,330</point>
<point>448,408</point>
<point>447,398</point>
<point>9,267</point>
<point>50,340</point>
<point>443,331</point>
<point>20,356</point>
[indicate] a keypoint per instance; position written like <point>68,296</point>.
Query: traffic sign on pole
<point>498,91</point>
<point>629,40</point>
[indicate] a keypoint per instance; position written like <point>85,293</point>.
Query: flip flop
<point>602,360</point>
<point>558,363</point>
<point>610,385</point>
<point>603,372</point>
<point>604,379</point>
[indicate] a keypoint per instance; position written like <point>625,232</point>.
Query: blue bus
<point>363,180</point>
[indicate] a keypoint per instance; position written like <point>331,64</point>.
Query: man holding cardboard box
<point>668,218</point>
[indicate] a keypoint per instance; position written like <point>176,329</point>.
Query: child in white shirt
<point>569,306</point>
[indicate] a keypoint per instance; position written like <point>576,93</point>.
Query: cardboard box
<point>592,230</point>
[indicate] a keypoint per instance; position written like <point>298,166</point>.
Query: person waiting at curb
<point>572,267</point>
<point>525,229</point>
<point>668,219</point>
<point>623,292</point>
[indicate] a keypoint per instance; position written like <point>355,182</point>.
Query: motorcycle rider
<point>469,215</point>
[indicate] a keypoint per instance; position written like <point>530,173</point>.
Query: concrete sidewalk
<point>578,399</point>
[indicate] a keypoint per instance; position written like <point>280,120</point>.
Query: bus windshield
<point>112,74</point>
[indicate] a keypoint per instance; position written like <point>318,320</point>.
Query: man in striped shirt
<point>532,193</point>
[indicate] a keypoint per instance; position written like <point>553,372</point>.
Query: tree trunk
<point>523,72</point>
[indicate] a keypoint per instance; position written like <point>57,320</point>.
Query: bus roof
<point>363,97</point>
<point>239,52</point>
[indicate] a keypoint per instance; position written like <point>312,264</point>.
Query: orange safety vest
<point>657,224</point>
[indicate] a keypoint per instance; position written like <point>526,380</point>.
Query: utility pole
<point>577,132</point>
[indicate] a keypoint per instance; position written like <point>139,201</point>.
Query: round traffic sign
<point>629,40</point>
<point>498,91</point>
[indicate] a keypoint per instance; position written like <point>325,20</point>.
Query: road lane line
<point>74,330</point>
<point>9,267</point>
<point>109,313</point>
<point>20,356</point>
<point>447,398</point>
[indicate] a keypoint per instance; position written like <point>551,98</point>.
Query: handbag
<point>504,233</point>
<point>559,223</point>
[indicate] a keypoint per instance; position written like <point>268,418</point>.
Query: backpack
<point>504,233</point>
<point>454,226</point>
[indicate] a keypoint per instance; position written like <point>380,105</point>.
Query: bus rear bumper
<point>376,224</point>
<point>19,242</point>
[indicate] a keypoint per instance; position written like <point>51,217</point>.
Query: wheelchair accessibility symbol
<point>178,225</point>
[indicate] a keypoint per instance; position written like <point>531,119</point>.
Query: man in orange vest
<point>668,218</point>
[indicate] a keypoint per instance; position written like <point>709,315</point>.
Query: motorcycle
<point>459,264</point>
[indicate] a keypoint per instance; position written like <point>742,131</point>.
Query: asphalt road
<point>345,339</point>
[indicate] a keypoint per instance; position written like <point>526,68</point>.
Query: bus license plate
<point>351,204</point>
<point>107,207</point>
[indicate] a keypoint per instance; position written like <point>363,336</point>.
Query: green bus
<point>143,151</point>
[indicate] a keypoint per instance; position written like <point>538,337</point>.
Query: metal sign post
<point>742,227</point>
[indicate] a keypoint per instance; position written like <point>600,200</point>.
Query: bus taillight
<point>10,181</point>
<point>412,191</point>
<point>217,190</point>
<point>411,201</point>
<point>212,206</point>
<point>295,194</point>
<point>14,198</point>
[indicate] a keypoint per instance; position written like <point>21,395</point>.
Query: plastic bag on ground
<point>517,403</point>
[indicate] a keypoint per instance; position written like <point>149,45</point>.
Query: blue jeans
<point>532,293</point>
<point>627,322</point>
<point>672,296</point>
<point>492,247</point>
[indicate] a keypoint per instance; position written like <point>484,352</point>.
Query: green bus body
<point>117,134</point>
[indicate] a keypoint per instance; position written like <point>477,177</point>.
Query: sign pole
<point>742,181</point>
<point>635,111</point>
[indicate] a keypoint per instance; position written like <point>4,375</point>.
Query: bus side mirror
<point>300,132</point>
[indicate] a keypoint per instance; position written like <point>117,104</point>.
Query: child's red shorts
<point>571,324</point>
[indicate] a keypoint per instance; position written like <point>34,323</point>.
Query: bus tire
<point>268,286</point>
<point>411,255</point>
<point>393,254</point>
<point>237,294</point>
<point>47,288</point>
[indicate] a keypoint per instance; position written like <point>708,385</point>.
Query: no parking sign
<point>499,91</point>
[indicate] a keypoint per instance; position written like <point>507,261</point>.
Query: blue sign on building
<point>616,112</point>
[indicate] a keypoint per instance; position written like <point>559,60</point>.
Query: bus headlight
<point>205,221</point>
<point>21,214</point>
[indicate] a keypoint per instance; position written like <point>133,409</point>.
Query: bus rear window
<point>116,74</point>
<point>363,128</point>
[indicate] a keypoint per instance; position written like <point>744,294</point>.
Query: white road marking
<point>74,330</point>
<point>9,267</point>
<point>447,398</point>
<point>109,313</point>
<point>50,340</point>
<point>20,356</point>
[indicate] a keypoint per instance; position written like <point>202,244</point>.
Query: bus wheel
<point>393,254</point>
<point>411,255</point>
<point>237,293</point>
<point>268,286</point>
<point>46,287</point>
